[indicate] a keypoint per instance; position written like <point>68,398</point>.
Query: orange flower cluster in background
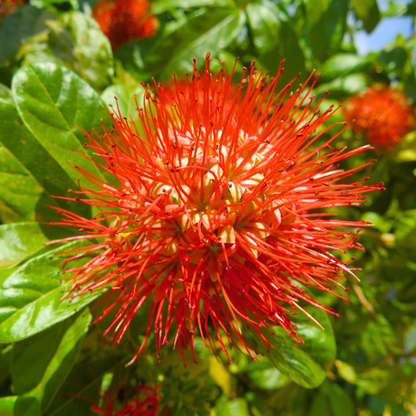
<point>383,115</point>
<point>124,20</point>
<point>9,6</point>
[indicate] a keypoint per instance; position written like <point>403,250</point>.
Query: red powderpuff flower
<point>144,403</point>
<point>124,20</point>
<point>382,114</point>
<point>182,87</point>
<point>219,211</point>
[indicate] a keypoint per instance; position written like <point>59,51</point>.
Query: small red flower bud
<point>144,403</point>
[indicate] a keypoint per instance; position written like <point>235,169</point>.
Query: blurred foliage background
<point>363,364</point>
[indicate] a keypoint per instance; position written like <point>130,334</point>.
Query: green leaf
<point>395,59</point>
<point>52,45</point>
<point>264,24</point>
<point>204,31</point>
<point>19,240</point>
<point>265,376</point>
<point>327,22</point>
<point>55,105</point>
<point>320,406</point>
<point>82,385</point>
<point>162,6</point>
<point>236,407</point>
<point>304,364</point>
<point>290,360</point>
<point>7,405</point>
<point>5,359</point>
<point>319,344</point>
<point>340,401</point>
<point>19,26</point>
<point>20,191</point>
<point>126,98</point>
<point>331,400</point>
<point>346,371</point>
<point>19,406</point>
<point>342,87</point>
<point>370,381</point>
<point>287,48</point>
<point>405,151</point>
<point>36,163</point>
<point>55,5</point>
<point>378,339</point>
<point>344,64</point>
<point>411,8</point>
<point>5,93</point>
<point>41,363</point>
<point>91,48</point>
<point>30,295</point>
<point>368,11</point>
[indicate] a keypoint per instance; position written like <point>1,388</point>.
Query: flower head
<point>382,114</point>
<point>124,20</point>
<point>144,402</point>
<point>219,210</point>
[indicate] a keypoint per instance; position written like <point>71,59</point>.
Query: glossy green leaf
<point>19,26</point>
<point>82,385</point>
<point>5,360</point>
<point>203,32</point>
<point>288,49</point>
<point>346,371</point>
<point>411,8</point>
<point>368,11</point>
<point>236,407</point>
<point>51,45</point>
<point>126,98</point>
<point>331,400</point>
<point>340,401</point>
<point>40,175</point>
<point>371,381</point>
<point>290,360</point>
<point>30,295</point>
<point>19,406</point>
<point>405,227</point>
<point>210,31</point>
<point>319,344</point>
<point>340,88</point>
<point>320,406</point>
<point>40,47</point>
<point>405,151</point>
<point>20,191</point>
<point>265,376</point>
<point>19,240</point>
<point>344,64</point>
<point>264,24</point>
<point>7,405</point>
<point>5,93</point>
<point>378,339</point>
<point>55,5</point>
<point>55,105</point>
<point>395,59</point>
<point>91,48</point>
<point>41,363</point>
<point>163,6</point>
<point>304,364</point>
<point>327,22</point>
